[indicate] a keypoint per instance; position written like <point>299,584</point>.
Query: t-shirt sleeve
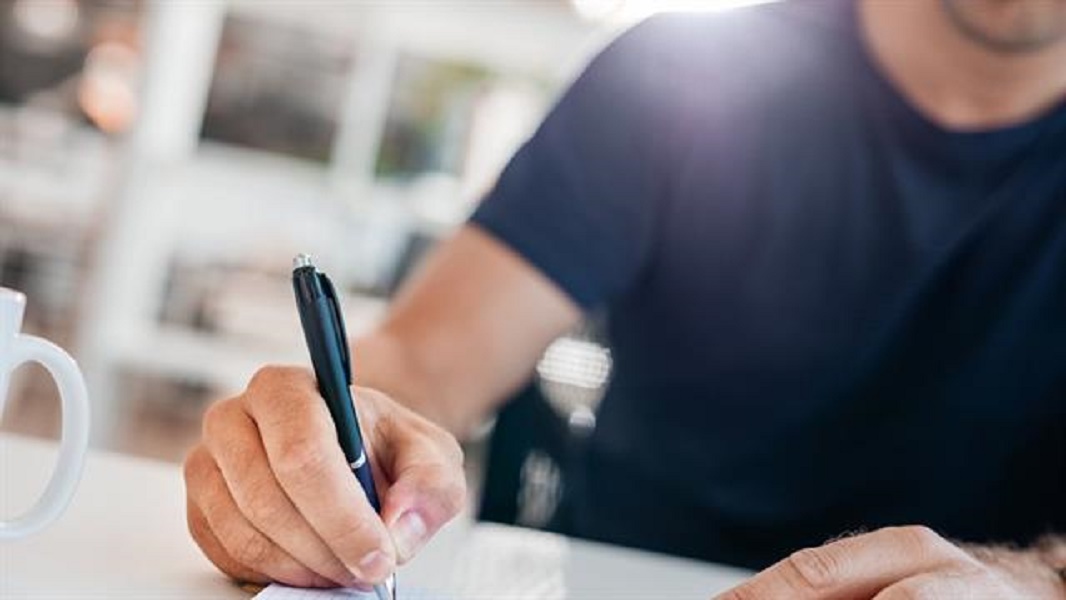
<point>581,198</point>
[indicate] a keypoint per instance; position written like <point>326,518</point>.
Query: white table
<point>124,536</point>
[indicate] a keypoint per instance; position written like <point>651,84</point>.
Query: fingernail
<point>375,566</point>
<point>408,534</point>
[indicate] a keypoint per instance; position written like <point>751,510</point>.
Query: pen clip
<point>338,318</point>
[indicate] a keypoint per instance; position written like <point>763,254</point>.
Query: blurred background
<point>161,161</point>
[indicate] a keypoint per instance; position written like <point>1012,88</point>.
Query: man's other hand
<point>271,496</point>
<point>902,563</point>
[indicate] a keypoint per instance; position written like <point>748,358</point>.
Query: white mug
<point>15,349</point>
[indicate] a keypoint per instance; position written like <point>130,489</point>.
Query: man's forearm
<point>388,364</point>
<point>464,332</point>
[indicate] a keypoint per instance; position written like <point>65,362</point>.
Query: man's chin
<point>1010,26</point>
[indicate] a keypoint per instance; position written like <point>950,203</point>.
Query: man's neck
<point>952,79</point>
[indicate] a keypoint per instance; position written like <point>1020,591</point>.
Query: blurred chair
<point>541,432</point>
<point>528,449</point>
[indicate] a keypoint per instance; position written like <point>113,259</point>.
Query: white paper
<point>281,592</point>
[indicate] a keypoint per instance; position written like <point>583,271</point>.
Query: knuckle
<point>815,568</point>
<point>453,496</point>
<point>251,549</point>
<point>262,509</point>
<point>274,375</point>
<point>353,541</point>
<point>440,489</point>
<point>426,434</point>
<point>275,390</point>
<point>194,466</point>
<point>216,419</point>
<point>209,423</point>
<point>366,394</point>
<point>300,458</point>
<point>265,375</point>
<point>922,539</point>
<point>450,445</point>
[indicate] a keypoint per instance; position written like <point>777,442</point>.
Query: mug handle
<point>75,435</point>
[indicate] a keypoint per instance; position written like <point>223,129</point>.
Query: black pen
<point>327,341</point>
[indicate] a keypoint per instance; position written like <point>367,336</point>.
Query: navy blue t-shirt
<point>826,311</point>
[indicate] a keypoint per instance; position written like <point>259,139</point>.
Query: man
<point>831,239</point>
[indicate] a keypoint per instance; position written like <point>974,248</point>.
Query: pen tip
<point>301,260</point>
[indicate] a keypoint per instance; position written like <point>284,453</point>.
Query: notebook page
<point>281,592</point>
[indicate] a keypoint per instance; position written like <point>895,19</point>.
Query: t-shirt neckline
<point>924,125</point>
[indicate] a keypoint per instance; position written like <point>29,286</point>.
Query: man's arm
<point>270,495</point>
<point>464,332</point>
<point>909,563</point>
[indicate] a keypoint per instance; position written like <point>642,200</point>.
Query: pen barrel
<point>365,475</point>
<point>327,358</point>
<point>323,326</point>
<point>328,362</point>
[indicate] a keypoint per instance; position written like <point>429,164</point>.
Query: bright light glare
<point>576,362</point>
<point>690,5</point>
<point>597,10</point>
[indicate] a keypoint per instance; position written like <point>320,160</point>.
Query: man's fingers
<point>215,552</point>
<point>428,484</point>
<point>419,503</point>
<point>855,567</point>
<point>939,586</point>
<point>233,441</point>
<point>242,542</point>
<point>300,440</point>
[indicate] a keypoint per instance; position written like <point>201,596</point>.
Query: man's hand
<point>271,497</point>
<point>902,563</point>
